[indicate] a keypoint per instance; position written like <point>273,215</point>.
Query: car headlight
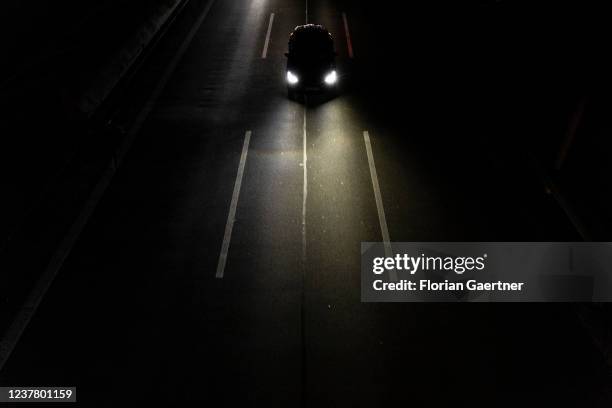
<point>331,78</point>
<point>292,79</point>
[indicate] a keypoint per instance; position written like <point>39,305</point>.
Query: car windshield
<point>311,45</point>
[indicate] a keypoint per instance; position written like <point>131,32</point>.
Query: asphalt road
<point>138,312</point>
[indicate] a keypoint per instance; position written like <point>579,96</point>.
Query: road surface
<point>142,311</point>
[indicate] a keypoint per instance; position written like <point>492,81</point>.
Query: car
<point>311,61</point>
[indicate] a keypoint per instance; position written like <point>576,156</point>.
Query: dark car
<point>311,60</point>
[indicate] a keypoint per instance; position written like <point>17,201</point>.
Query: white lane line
<point>231,217</point>
<point>17,327</point>
<point>347,33</point>
<point>264,53</point>
<point>379,204</point>
<point>305,188</point>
